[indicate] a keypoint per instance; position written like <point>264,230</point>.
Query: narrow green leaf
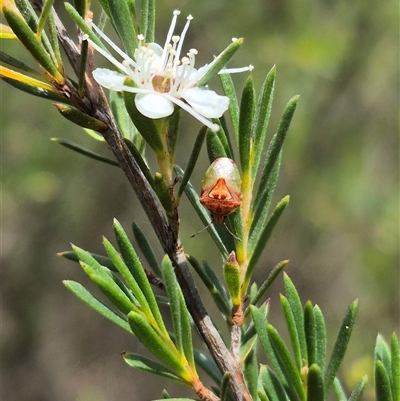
<point>132,261</point>
<point>103,260</point>
<point>77,117</point>
<point>320,340</point>
<point>46,10</point>
<point>267,283</point>
<point>310,333</point>
<point>140,161</point>
<point>382,352</point>
<point>192,160</point>
<point>161,347</point>
<point>218,297</point>
<point>220,61</point>
<point>297,310</point>
<point>202,213</point>
<point>122,22</point>
<point>246,118</point>
<point>161,188</point>
<point>292,329</point>
<point>30,41</point>
<point>37,91</point>
<point>128,277</point>
<point>95,268</point>
<point>259,213</point>
<point>146,248</point>
<point>224,386</point>
<point>172,288</point>
<point>144,125</point>
<point>271,167</point>
<point>208,365</point>
<point>261,119</point>
<point>13,62</point>
<point>187,333</point>
<point>147,365</point>
<point>260,323</point>
<point>231,271</point>
<point>272,384</point>
<point>382,383</point>
<point>229,90</point>
<point>395,353</point>
<point>82,24</point>
<point>85,296</point>
<point>121,116</point>
<point>247,347</point>
<point>215,147</point>
<point>109,288</point>
<point>290,371</point>
<point>80,6</point>
<point>173,132</point>
<point>338,389</point>
<point>83,151</point>
<point>315,384</point>
<point>264,237</point>
<point>358,390</point>
<point>250,371</point>
<point>341,343</point>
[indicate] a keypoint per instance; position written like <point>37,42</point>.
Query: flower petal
<point>206,102</point>
<point>153,105</point>
<point>109,79</point>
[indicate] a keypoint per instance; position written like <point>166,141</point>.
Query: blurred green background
<point>340,167</point>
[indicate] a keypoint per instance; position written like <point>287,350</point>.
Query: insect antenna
<point>200,231</point>
<point>231,233</point>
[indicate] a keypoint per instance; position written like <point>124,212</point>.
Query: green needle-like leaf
<point>31,42</point>
<point>320,339</point>
<point>294,335</point>
<point>358,390</point>
<point>161,347</point>
<point>133,263</point>
<point>85,296</point>
<point>83,151</point>
<point>250,371</point>
<point>162,190</point>
<point>315,384</point>
<point>208,365</point>
<point>341,343</point>
<point>229,90</point>
<point>109,288</point>
<point>310,332</point>
<point>261,119</point>
<point>267,283</point>
<point>264,237</point>
<point>122,22</point>
<point>220,62</point>
<point>146,248</point>
<point>192,160</point>
<point>79,118</point>
<point>260,323</point>
<point>74,14</point>
<point>218,296</point>
<point>103,260</point>
<point>147,365</point>
<point>272,384</point>
<point>395,353</point>
<point>338,389</point>
<point>172,288</point>
<point>247,110</point>
<point>297,310</point>
<point>128,277</point>
<point>292,374</point>
<point>382,383</point>
<point>215,146</point>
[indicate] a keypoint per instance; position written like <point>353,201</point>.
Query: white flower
<point>163,79</point>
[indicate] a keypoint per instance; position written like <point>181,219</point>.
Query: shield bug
<point>220,189</point>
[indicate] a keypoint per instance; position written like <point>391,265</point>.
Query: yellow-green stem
<point>164,157</point>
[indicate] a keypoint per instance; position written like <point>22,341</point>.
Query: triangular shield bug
<point>220,189</point>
